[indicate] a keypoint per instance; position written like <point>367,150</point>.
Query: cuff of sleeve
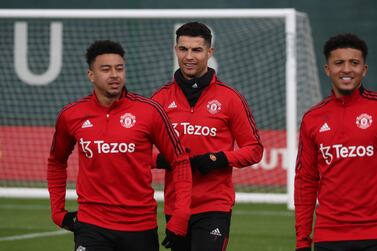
<point>303,244</point>
<point>229,157</point>
<point>178,224</point>
<point>304,249</point>
<point>58,218</point>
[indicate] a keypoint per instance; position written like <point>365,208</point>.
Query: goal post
<point>266,54</point>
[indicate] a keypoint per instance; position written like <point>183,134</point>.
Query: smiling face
<point>107,73</point>
<point>193,54</point>
<point>346,68</point>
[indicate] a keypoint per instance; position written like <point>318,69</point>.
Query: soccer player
<point>337,161</point>
<point>209,117</point>
<point>114,131</point>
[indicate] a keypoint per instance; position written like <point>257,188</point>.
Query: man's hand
<point>206,162</point>
<point>172,240</point>
<point>69,221</point>
<point>162,163</point>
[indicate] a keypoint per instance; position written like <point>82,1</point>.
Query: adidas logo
<point>172,105</point>
<point>325,127</point>
<point>81,248</point>
<point>195,85</point>
<point>86,124</point>
<point>216,232</point>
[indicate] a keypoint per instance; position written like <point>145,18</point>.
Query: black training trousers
<point>207,231</point>
<point>89,237</point>
<point>358,245</point>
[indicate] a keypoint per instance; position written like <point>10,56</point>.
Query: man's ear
<point>365,70</point>
<point>90,75</point>
<point>326,68</point>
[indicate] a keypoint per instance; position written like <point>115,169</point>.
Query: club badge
<point>364,121</point>
<point>213,106</point>
<point>128,120</point>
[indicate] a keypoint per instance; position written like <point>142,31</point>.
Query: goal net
<point>266,54</point>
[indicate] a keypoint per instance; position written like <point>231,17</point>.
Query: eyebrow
<point>108,65</point>
<point>194,48</point>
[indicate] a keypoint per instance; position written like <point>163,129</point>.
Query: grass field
<point>25,225</point>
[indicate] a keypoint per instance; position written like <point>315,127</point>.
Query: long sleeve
<point>246,134</point>
<point>169,145</point>
<point>62,146</point>
<point>306,187</point>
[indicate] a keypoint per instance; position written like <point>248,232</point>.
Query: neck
<point>195,77</point>
<point>106,100</point>
<point>344,93</point>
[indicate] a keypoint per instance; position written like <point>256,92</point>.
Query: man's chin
<point>346,92</point>
<point>114,93</point>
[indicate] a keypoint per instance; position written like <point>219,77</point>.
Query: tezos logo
<point>344,152</point>
<point>101,147</point>
<point>213,106</point>
<point>364,121</point>
<point>189,129</point>
<point>128,120</point>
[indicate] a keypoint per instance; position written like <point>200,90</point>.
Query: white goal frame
<point>289,15</point>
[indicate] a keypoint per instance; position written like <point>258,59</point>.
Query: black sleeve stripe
<point>66,108</point>
<point>319,105</point>
<point>246,109</point>
<point>172,135</point>
<point>369,94</point>
<point>69,106</point>
<point>165,86</point>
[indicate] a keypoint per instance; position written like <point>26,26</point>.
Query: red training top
<point>115,155</point>
<point>220,117</point>
<point>337,165</point>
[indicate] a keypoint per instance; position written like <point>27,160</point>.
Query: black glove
<point>162,163</point>
<point>304,249</point>
<point>206,162</point>
<point>172,240</point>
<point>69,221</point>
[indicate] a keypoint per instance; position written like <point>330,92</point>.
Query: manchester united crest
<point>364,121</point>
<point>128,120</point>
<point>213,106</point>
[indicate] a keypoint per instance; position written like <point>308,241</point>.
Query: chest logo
<point>364,121</point>
<point>325,127</point>
<point>213,106</point>
<point>87,124</point>
<point>172,105</point>
<point>128,120</point>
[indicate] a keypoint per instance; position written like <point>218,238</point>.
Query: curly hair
<point>102,47</point>
<point>346,40</point>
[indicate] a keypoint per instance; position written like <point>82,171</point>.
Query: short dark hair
<point>195,29</point>
<point>346,40</point>
<point>102,47</point>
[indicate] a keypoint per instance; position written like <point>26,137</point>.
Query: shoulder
<point>77,105</point>
<point>317,108</point>
<point>150,108</point>
<point>166,88</point>
<point>228,91</point>
<point>368,94</point>
<point>143,101</point>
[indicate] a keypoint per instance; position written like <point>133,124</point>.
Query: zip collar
<point>356,94</point>
<point>114,104</point>
<point>193,88</point>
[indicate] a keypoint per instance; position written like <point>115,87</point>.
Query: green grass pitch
<point>25,224</point>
